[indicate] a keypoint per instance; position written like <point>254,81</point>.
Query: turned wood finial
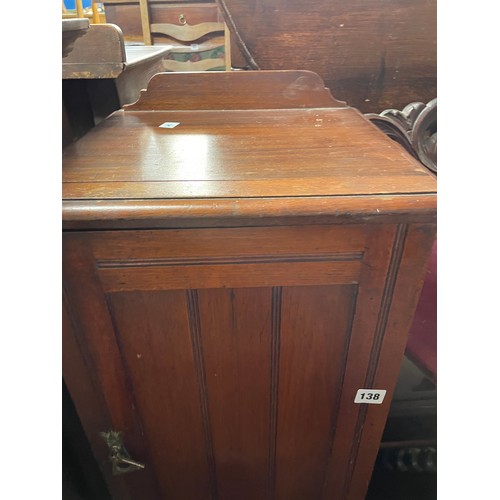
<point>415,128</point>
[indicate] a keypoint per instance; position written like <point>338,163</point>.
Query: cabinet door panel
<point>153,333</point>
<point>243,390</point>
<point>315,331</point>
<point>238,388</point>
<point>237,330</point>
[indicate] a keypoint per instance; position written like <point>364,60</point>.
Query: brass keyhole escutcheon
<point>118,455</point>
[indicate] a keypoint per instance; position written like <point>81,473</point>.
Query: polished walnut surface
<point>228,154</point>
<point>232,282</point>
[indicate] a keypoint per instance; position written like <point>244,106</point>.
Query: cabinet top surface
<point>307,152</point>
<point>140,154</point>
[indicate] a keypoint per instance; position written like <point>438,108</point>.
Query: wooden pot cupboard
<point>241,254</point>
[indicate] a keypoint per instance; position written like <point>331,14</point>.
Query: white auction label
<point>370,396</point>
<point>169,125</point>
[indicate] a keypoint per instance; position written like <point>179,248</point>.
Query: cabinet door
<point>229,358</point>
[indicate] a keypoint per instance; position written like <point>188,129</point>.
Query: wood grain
<point>101,46</point>
<point>72,29</point>
<point>170,343</point>
<point>201,245</point>
<point>373,54</point>
<point>186,32</point>
<point>407,285</point>
<point>241,293</point>
<point>127,15</point>
<point>121,214</point>
<point>99,353</point>
<point>236,330</point>
<point>102,53</point>
<point>370,301</point>
<point>236,90</point>
<point>154,334</point>
<point>312,363</point>
<point>208,155</point>
<point>145,22</point>
<point>101,74</point>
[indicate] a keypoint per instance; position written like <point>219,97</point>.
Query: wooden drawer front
<point>192,13</point>
<point>128,16</point>
<point>229,358</point>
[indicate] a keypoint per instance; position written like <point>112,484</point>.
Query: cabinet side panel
<point>315,328</point>
<point>408,282</point>
<point>236,327</point>
<point>154,334</point>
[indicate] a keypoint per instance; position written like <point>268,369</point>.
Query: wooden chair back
<point>79,12</point>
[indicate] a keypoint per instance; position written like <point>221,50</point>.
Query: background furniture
<point>198,35</point>
<point>195,47</point>
<point>414,127</point>
<point>136,16</point>
<point>101,74</point>
<point>407,461</point>
<point>77,10</point>
<point>373,54</point>
<point>228,288</point>
<point>72,29</point>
